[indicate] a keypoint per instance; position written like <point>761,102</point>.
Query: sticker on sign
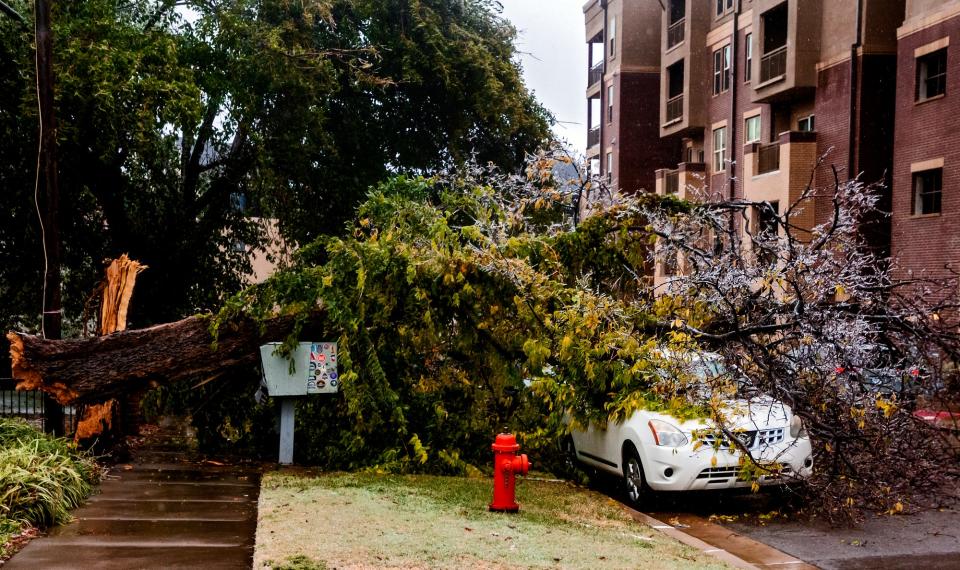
<point>323,366</point>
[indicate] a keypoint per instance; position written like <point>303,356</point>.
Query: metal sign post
<point>310,369</point>
<point>286,430</point>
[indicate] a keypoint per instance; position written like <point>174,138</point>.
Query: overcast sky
<point>554,59</point>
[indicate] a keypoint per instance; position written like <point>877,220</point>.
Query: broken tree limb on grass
<point>94,369</point>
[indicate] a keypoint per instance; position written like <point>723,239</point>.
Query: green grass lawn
<point>41,479</point>
<point>362,520</point>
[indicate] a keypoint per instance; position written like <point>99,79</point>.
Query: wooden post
<point>49,189</point>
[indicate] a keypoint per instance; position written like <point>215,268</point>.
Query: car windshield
<point>711,373</point>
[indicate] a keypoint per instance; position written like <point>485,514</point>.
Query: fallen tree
<point>93,369</point>
<point>470,303</point>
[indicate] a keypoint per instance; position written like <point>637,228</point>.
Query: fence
<point>773,64</point>
<point>593,137</point>
<point>675,33</point>
<point>768,158</point>
<point>595,74</point>
<point>675,108</point>
<point>38,409</point>
<point>671,182</point>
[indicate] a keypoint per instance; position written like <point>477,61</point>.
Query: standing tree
<point>181,120</point>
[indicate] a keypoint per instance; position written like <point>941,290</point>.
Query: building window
<point>748,55</point>
<point>609,103</point>
<point>932,74</point>
<point>724,6</point>
<point>927,191</point>
<point>721,70</point>
<point>751,128</point>
<point>719,149</point>
<point>613,36</point>
<point>807,124</point>
<point>609,168</point>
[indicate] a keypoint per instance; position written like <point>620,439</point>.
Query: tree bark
<point>95,369</point>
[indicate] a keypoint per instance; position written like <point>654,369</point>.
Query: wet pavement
<point>926,540</point>
<point>165,509</point>
<point>929,540</point>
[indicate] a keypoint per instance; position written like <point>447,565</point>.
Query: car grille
<point>749,439</point>
<point>723,473</point>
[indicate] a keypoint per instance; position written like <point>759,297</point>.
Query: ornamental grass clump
<point>41,477</point>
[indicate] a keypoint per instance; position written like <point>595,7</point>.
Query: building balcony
<point>779,172</point>
<point>595,74</point>
<point>685,182</point>
<point>787,37</point>
<point>676,33</point>
<point>593,137</point>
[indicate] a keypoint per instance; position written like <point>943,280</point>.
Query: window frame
<point>612,37</point>
<point>919,194</point>
<point>811,123</point>
<point>748,57</point>
<point>610,104</point>
<point>721,70</point>
<point>610,167</point>
<point>719,151</point>
<point>723,7</point>
<point>923,78</point>
<point>746,129</point>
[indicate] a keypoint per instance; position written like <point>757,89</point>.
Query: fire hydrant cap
<point>506,442</point>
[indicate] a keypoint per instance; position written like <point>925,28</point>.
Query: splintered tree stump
<point>96,369</point>
<point>116,292</point>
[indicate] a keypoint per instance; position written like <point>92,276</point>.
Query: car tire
<point>635,483</point>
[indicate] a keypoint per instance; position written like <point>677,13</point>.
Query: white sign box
<point>315,369</point>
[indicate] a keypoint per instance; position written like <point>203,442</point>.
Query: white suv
<point>653,450</point>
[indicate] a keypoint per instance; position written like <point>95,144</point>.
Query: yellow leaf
<point>713,461</point>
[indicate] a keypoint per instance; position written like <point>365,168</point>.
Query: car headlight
<point>666,435</point>
<point>796,428</point>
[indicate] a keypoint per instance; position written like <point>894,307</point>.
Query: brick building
<point>926,166</point>
<point>756,98</point>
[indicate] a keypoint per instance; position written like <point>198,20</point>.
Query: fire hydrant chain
<point>506,465</point>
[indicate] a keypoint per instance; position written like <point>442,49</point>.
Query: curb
<point>759,555</point>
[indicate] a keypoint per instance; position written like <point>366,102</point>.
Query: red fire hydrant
<point>506,466</point>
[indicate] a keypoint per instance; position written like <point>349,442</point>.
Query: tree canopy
<point>181,123</point>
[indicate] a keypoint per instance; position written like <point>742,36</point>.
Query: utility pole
<point>48,188</point>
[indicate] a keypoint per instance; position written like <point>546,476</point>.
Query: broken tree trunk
<point>116,292</point>
<point>121,277</point>
<point>94,369</point>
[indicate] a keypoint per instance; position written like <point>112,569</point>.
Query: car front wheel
<point>636,486</point>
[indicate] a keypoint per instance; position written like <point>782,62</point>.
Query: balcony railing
<point>675,108</point>
<point>593,137</point>
<point>675,32</point>
<point>595,74</point>
<point>773,64</point>
<point>768,158</point>
<point>671,182</point>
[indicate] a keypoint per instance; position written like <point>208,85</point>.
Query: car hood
<point>753,414</point>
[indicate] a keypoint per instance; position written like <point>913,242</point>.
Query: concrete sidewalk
<point>166,509</point>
